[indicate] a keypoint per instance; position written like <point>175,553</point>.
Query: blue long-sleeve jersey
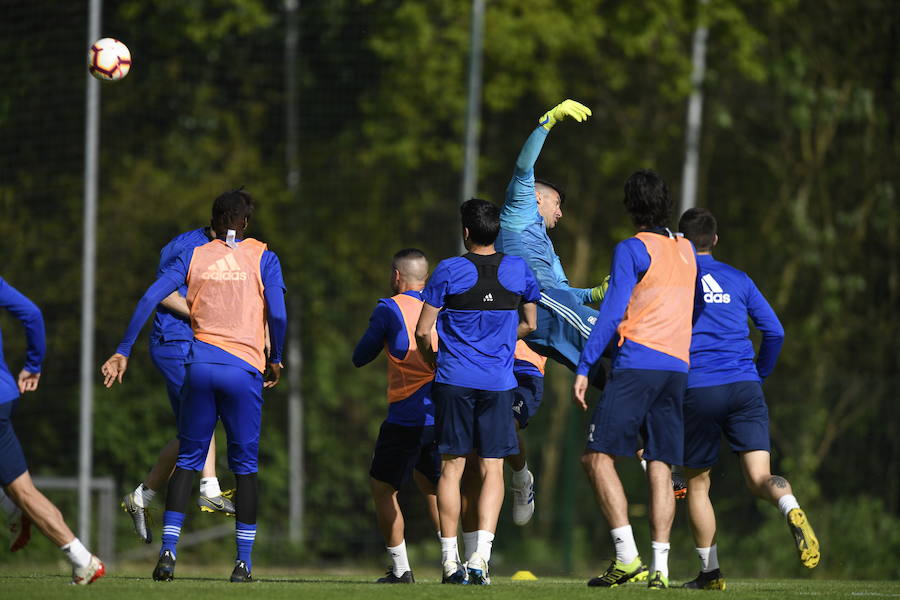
<point>175,276</point>
<point>167,326</point>
<point>522,229</point>
<point>387,329</point>
<point>721,350</point>
<point>629,263</point>
<point>30,315</point>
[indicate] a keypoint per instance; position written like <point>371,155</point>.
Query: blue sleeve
<point>276,313</point>
<point>156,293</point>
<point>520,207</point>
<point>270,270</point>
<point>29,314</point>
<point>532,287</point>
<point>438,285</point>
<point>372,341</point>
<point>630,259</point>
<point>167,256</point>
<point>767,322</point>
<point>699,303</point>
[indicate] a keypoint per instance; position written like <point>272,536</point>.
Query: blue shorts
<point>563,326</point>
<point>12,459</point>
<point>169,359</point>
<point>736,409</point>
<point>527,397</point>
<point>467,419</point>
<point>640,403</point>
<point>402,448</point>
<point>229,393</point>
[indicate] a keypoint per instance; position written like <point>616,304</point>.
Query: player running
<point>724,395</point>
<point>234,288</point>
<point>22,501</point>
<point>475,300</point>
<point>406,445</point>
<point>170,341</point>
<point>650,304</point>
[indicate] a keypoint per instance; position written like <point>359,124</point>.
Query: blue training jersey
<point>629,263</point>
<point>175,277</point>
<point>29,314</point>
<point>476,347</point>
<point>167,326</point>
<point>721,350</point>
<point>522,229</point>
<point>386,326</point>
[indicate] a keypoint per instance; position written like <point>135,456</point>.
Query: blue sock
<point>244,536</point>
<point>172,522</point>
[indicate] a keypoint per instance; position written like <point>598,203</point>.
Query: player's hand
<point>28,381</point>
<point>114,368</point>
<point>579,389</point>
<point>566,108</point>
<point>273,375</point>
<point>598,292</point>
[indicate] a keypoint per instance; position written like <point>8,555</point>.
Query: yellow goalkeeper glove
<point>566,108</point>
<point>598,292</point>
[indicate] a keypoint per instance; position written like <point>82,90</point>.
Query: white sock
<point>787,503</point>
<point>401,560</point>
<point>660,558</point>
<point>521,478</point>
<point>623,540</point>
<point>77,554</point>
<point>709,558</point>
<point>485,543</point>
<point>470,543</point>
<point>209,487</point>
<point>449,549</point>
<point>142,495</point>
<point>8,506</point>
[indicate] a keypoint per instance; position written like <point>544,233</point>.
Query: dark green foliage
<point>799,154</point>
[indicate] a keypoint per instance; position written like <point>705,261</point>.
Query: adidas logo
<point>713,292</point>
<point>488,298</point>
<point>225,269</point>
<point>591,433</point>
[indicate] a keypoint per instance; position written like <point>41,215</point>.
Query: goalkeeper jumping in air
<point>531,208</point>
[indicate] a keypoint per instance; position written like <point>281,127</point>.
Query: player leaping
<point>531,208</point>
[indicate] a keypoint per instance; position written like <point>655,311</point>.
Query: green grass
<point>204,584</point>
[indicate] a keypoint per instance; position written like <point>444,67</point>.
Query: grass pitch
<point>273,585</point>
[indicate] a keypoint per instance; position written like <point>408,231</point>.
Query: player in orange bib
<point>649,308</point>
<point>234,289</point>
<point>406,446</point>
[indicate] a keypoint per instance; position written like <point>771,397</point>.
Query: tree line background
<point>798,155</point>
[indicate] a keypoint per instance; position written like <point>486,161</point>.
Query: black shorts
<point>400,449</point>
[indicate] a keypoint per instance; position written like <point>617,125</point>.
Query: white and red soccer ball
<point>109,59</point>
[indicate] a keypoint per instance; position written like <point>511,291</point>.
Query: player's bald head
<point>411,264</point>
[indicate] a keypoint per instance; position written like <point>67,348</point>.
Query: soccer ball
<point>109,59</point>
